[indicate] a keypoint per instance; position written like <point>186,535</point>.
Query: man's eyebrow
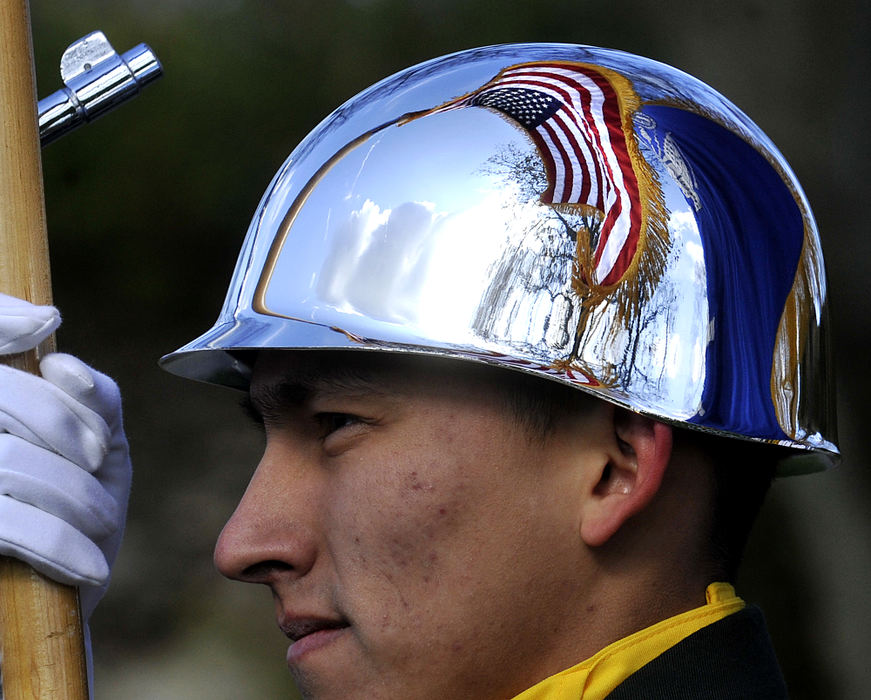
<point>271,400</point>
<point>266,402</point>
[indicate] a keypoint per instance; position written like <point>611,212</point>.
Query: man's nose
<point>270,536</point>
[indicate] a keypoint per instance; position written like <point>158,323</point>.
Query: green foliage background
<point>147,209</point>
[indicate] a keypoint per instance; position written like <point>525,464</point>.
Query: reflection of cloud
<point>377,261</point>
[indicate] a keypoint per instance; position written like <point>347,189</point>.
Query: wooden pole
<point>43,653</point>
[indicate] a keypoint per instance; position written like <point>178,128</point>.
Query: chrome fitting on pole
<point>97,80</point>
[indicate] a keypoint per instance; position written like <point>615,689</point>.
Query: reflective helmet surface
<point>584,214</point>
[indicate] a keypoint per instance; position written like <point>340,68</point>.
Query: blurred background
<point>147,209</point>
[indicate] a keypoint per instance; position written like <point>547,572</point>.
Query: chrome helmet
<point>582,214</point>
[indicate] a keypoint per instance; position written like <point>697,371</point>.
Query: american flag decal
<point>579,117</point>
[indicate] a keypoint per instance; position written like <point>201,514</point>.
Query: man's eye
<point>331,422</point>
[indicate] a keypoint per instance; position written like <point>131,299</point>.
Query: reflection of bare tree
<point>540,263</point>
<point>527,295</point>
<point>523,170</point>
<point>541,293</point>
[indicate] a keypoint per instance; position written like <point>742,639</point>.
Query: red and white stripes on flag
<point>573,114</point>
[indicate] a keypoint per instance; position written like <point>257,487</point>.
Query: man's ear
<point>638,457</point>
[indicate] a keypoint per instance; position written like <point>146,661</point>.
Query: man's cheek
<point>406,534</point>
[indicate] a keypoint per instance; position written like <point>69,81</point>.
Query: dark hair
<point>743,472</point>
<point>538,404</point>
<point>535,403</point>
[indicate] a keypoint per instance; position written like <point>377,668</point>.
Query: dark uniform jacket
<point>731,659</point>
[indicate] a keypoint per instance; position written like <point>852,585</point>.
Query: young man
<point>530,329</point>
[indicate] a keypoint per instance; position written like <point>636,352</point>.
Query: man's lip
<point>310,634</point>
<point>297,627</point>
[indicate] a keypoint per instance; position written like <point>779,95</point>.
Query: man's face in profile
<point>417,539</point>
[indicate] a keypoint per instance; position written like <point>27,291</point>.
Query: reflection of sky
<point>679,334</point>
<point>689,275</point>
<point>402,228</point>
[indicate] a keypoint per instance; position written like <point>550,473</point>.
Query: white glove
<point>64,461</point>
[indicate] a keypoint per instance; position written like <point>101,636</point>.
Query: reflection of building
<point>529,299</point>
